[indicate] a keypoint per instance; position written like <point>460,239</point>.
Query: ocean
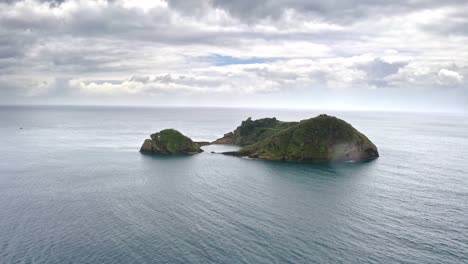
<point>75,189</point>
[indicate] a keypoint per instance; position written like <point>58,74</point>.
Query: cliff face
<point>320,139</point>
<point>228,138</point>
<point>169,141</point>
<point>252,131</point>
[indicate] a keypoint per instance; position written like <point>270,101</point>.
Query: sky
<point>408,55</point>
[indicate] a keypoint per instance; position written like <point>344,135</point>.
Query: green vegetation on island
<point>320,139</point>
<point>169,141</point>
<point>252,131</point>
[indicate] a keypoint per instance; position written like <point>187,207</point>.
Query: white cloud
<point>143,4</point>
<point>448,77</point>
<point>145,48</point>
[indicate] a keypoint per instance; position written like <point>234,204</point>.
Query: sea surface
<point>75,189</point>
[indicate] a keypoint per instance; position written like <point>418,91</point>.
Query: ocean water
<point>75,189</point>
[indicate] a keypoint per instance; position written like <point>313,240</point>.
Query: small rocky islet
<point>320,139</point>
<point>169,141</point>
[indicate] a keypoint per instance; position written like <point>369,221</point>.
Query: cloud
<point>146,48</point>
<point>250,78</point>
<point>233,80</point>
<point>377,71</point>
<point>27,87</point>
<point>450,21</point>
<point>418,75</point>
<point>448,77</point>
<point>338,11</point>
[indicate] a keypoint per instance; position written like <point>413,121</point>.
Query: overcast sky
<point>340,54</point>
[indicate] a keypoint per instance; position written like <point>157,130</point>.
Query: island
<point>169,142</point>
<point>320,139</point>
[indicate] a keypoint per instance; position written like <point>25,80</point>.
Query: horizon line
<point>237,107</point>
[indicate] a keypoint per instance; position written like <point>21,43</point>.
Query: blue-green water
<point>75,189</point>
